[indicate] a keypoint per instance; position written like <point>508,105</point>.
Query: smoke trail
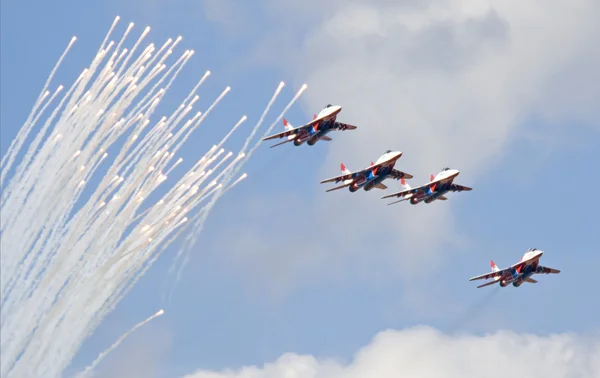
<point>102,355</point>
<point>474,309</point>
<point>228,174</point>
<point>77,230</point>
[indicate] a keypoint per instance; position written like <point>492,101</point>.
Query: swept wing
<point>362,174</point>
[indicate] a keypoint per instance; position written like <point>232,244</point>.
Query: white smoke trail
<point>77,230</point>
<point>114,346</point>
<point>228,175</point>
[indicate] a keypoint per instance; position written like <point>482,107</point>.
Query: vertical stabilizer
<point>493,265</point>
<point>405,185</point>
<point>287,126</point>
<point>494,269</point>
<point>345,171</point>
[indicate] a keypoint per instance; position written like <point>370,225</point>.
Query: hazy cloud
<point>425,352</point>
<point>449,83</point>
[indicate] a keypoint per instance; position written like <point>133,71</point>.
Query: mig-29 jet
<point>438,185</point>
<point>372,176</point>
<point>315,130</point>
<point>517,273</point>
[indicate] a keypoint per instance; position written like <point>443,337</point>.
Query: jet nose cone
<point>454,172</point>
<point>335,108</point>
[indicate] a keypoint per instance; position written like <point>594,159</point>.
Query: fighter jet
<point>438,185</point>
<point>315,130</point>
<point>372,176</point>
<point>517,273</point>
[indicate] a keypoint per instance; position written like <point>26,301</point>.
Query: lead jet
<point>519,272</point>
<point>438,185</point>
<point>372,176</point>
<point>315,130</point>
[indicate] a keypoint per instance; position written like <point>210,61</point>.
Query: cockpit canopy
<point>329,105</point>
<point>445,169</point>
<point>532,249</point>
<point>388,151</point>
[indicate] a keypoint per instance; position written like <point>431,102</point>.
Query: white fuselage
<point>531,259</point>
<point>324,121</point>
<point>442,179</point>
<point>394,155</point>
<point>530,256</point>
<point>377,174</point>
<point>448,175</point>
<point>327,112</point>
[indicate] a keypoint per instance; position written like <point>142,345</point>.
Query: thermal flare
<point>77,228</point>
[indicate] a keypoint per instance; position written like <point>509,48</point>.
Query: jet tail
<point>494,269</point>
<point>345,171</point>
<point>494,266</point>
<point>288,126</point>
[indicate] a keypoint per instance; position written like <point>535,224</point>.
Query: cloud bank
<point>450,83</point>
<point>426,353</point>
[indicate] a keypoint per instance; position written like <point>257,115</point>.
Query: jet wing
<point>489,275</point>
<point>354,175</point>
<point>294,131</point>
<point>347,176</point>
<point>406,192</point>
<point>422,188</point>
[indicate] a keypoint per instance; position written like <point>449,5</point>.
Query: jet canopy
<point>328,106</point>
<point>445,169</point>
<point>388,151</point>
<point>532,249</point>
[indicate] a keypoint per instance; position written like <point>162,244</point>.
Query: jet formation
<point>384,168</point>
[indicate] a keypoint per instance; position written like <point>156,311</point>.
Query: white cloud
<point>426,353</point>
<point>450,83</point>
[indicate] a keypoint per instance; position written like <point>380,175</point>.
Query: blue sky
<point>266,277</point>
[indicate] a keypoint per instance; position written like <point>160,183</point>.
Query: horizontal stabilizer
<point>401,200</point>
<point>326,138</point>
<point>380,186</point>
<point>460,188</point>
<point>546,270</point>
<point>531,280</point>
<point>442,198</point>
<point>339,187</point>
<point>344,126</point>
<point>487,284</point>
<point>279,144</point>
